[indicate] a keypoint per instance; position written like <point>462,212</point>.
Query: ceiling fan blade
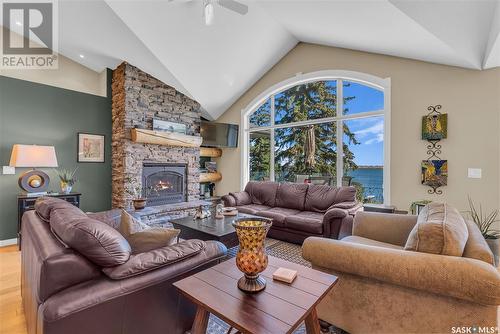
<point>235,6</point>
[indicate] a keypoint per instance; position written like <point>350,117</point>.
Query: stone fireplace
<point>164,183</point>
<point>138,98</point>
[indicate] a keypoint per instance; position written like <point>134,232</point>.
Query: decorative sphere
<point>35,183</point>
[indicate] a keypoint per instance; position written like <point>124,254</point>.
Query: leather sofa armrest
<point>228,200</point>
<point>458,277</point>
<point>88,294</point>
<point>333,221</point>
<point>164,256</point>
<point>384,227</point>
<point>242,198</point>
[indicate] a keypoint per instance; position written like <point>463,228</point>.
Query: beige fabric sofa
<point>383,288</point>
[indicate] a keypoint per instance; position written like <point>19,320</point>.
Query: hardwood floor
<point>11,309</point>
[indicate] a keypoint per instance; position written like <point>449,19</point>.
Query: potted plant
<point>134,189</point>
<point>67,179</point>
<point>485,223</point>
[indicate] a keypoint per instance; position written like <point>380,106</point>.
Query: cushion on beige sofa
<point>440,229</point>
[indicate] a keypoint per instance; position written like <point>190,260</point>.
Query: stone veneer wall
<point>137,99</point>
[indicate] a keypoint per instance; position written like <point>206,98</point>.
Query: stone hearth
<point>137,99</point>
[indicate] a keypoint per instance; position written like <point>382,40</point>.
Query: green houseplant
<point>485,224</point>
<point>67,179</point>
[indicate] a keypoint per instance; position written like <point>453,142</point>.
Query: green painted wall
<point>32,113</point>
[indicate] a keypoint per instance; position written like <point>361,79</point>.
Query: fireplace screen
<point>164,183</point>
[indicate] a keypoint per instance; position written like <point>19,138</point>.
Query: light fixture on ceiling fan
<point>209,8</point>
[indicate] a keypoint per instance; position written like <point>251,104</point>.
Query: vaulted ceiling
<point>216,64</point>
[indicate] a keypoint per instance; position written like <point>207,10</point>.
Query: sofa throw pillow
<point>143,238</point>
<point>100,243</point>
<point>440,229</point>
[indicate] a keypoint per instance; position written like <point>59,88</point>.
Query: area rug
<point>280,249</point>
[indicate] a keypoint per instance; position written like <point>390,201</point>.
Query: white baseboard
<point>8,242</point>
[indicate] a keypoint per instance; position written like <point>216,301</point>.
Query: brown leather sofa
<point>79,276</point>
<point>299,210</point>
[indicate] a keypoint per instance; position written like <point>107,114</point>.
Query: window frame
<point>383,85</point>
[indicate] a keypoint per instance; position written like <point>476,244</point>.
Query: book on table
<point>284,275</point>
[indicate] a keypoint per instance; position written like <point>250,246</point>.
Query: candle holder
<point>251,258</point>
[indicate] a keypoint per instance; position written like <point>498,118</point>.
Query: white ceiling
<point>215,65</point>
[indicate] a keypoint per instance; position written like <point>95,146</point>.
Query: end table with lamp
<point>34,183</point>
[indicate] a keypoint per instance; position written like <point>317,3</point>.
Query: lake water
<point>372,180</point>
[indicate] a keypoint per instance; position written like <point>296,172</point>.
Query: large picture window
<point>293,133</point>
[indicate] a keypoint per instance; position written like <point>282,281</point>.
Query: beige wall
<point>69,75</point>
<point>471,99</point>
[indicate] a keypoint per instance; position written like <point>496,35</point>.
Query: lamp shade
<point>33,156</point>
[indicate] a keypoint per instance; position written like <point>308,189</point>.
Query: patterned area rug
<point>279,249</point>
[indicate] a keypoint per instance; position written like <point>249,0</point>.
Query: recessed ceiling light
<point>82,56</point>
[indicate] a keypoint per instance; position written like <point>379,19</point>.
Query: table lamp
<point>33,182</point>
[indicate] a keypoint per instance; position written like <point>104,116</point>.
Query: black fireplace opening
<point>164,183</point>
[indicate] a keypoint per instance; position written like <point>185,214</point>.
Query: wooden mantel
<point>164,138</point>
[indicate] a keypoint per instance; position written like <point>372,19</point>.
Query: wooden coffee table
<point>209,228</point>
<point>280,308</point>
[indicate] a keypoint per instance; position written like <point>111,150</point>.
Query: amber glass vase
<point>251,258</point>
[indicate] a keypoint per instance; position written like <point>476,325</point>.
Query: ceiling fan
<point>209,8</point>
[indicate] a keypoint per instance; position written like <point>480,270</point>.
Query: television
<point>219,134</point>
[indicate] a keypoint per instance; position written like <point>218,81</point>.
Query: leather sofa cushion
<point>278,215</point>
<point>148,238</point>
<point>45,205</point>
<point>144,262</point>
<point>252,209</point>
<point>291,195</point>
<point>306,221</point>
<point>111,217</point>
<point>97,241</point>
<point>241,198</point>
<point>320,197</point>
<point>263,193</point>
<point>440,229</point>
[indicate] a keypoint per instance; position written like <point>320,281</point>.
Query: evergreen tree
<point>309,101</point>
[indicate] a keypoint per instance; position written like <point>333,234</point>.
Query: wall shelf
<point>164,138</point>
<point>210,177</point>
<point>210,152</point>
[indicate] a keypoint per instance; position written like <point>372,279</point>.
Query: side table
<point>279,308</point>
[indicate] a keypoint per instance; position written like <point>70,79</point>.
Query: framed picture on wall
<point>90,147</point>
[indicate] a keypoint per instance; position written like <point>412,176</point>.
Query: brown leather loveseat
<point>299,210</point>
<point>79,276</point>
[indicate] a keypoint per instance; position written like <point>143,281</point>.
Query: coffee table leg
<point>200,321</point>
<point>312,323</point>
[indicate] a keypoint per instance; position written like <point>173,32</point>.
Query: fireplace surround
<point>164,183</point>
<point>138,98</point>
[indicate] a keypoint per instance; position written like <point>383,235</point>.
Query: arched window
<point>293,132</point>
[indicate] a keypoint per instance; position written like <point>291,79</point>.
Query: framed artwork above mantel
<point>91,147</point>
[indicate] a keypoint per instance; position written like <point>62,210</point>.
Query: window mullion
<point>271,143</point>
<point>340,133</point>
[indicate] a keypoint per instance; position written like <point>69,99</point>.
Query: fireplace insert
<point>164,183</point>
